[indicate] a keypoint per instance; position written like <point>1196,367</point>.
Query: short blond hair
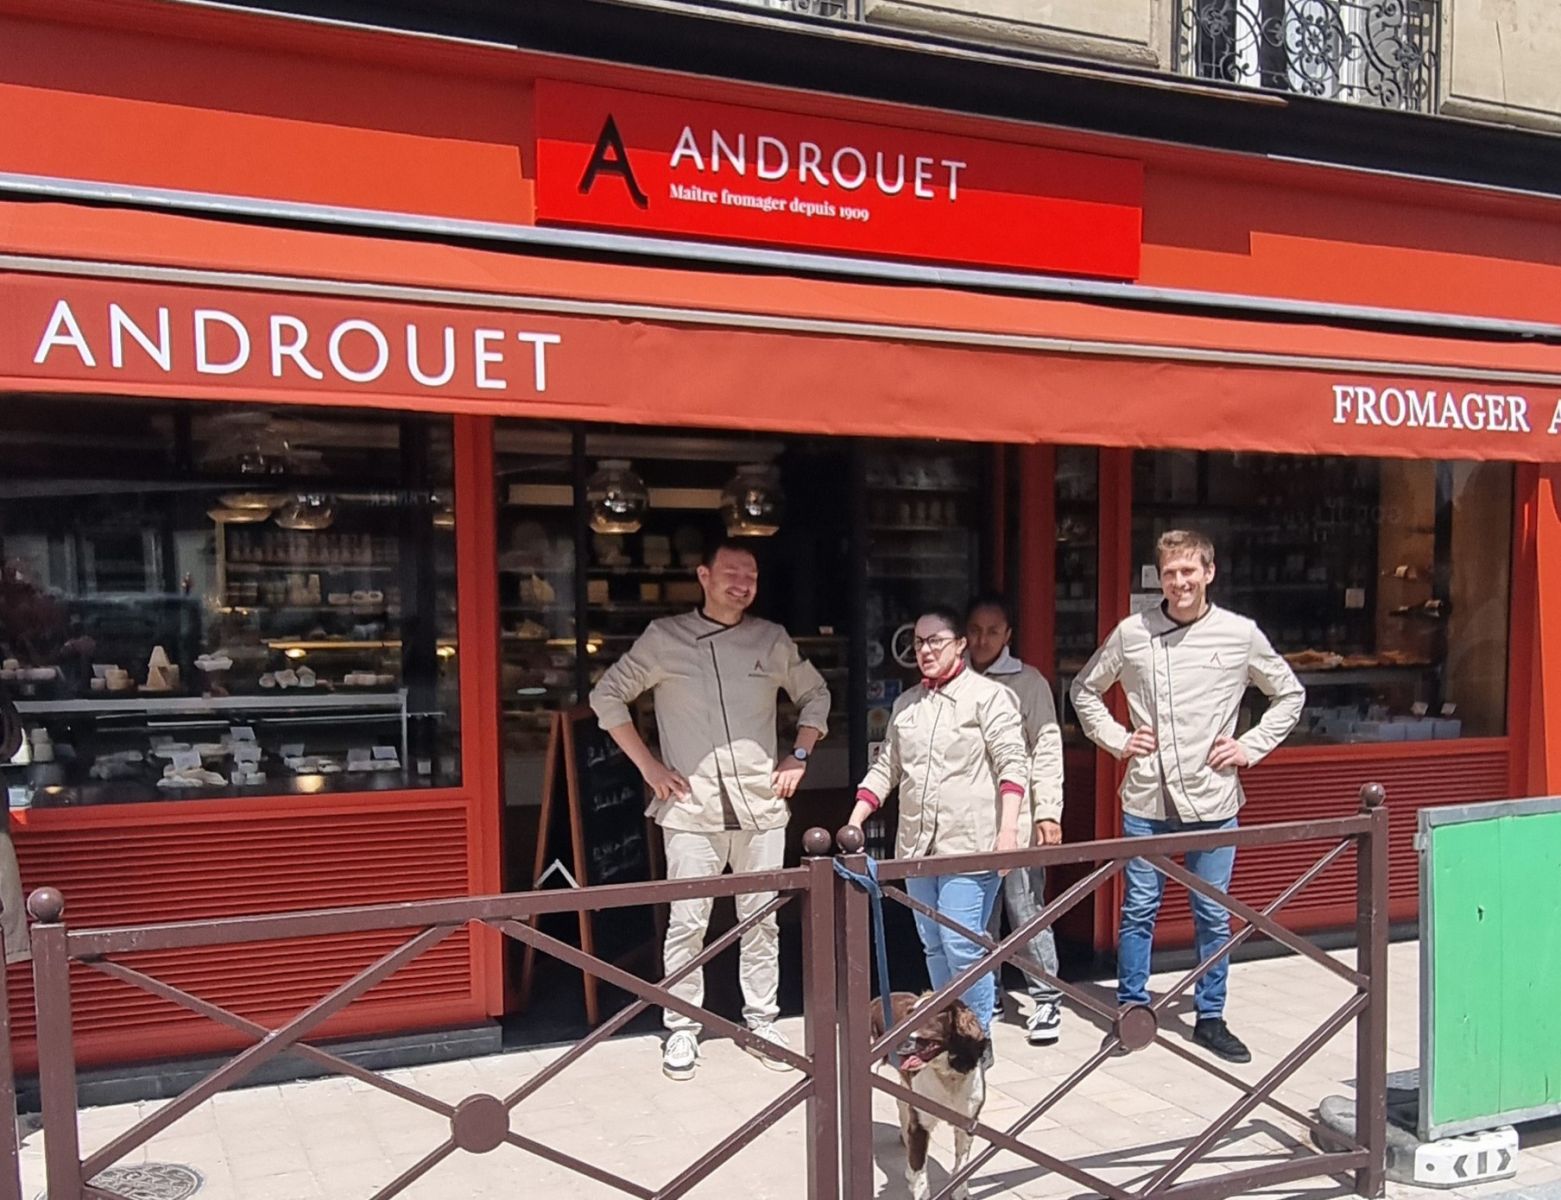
<point>1183,541</point>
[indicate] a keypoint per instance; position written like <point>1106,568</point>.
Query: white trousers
<point>697,856</point>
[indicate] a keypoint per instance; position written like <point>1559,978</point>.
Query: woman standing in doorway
<point>955,749</point>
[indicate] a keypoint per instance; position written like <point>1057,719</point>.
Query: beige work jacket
<point>1042,735</point>
<point>1185,682</point>
<point>947,749</point>
<point>715,691</point>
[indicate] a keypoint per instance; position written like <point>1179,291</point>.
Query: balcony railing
<point>1373,52</point>
<point>839,10</point>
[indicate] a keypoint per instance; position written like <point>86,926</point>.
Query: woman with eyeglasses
<point>955,749</point>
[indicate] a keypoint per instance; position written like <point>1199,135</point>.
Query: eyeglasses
<point>934,643</point>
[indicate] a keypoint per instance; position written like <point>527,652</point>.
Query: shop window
<point>1384,582</point>
<point>539,670</point>
<point>926,511</point>
<point>1077,568</point>
<point>602,531</point>
<point>206,601</point>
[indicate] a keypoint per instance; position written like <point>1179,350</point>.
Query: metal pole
<point>819,1018</point>
<point>1371,960</point>
<point>56,1050</point>
<point>854,1000</point>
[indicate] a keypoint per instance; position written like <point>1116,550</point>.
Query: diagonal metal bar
<point>649,992</point>
<point>222,1016</point>
<point>1202,1062</point>
<point>1250,915</point>
<point>1256,1094</point>
<point>1080,997</point>
<point>578,1165</point>
<point>242,1065</point>
<point>965,978</point>
<point>1241,935</point>
<point>416,1171</point>
<point>1255,1179</point>
<point>998,1141</point>
<point>709,1162</point>
<point>1080,1073</point>
<point>611,1026</point>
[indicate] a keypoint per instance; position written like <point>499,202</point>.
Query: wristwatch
<point>801,755</point>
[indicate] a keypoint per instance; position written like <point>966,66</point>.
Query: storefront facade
<point>318,342</point>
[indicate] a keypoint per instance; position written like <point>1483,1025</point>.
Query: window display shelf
<point>916,556</point>
<point>244,564</point>
<point>174,705</point>
<point>1282,585</point>
<point>345,610</point>
<point>920,487</point>
<point>331,644</point>
<point>1346,676</point>
<point>922,576</point>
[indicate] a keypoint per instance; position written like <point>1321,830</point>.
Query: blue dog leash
<point>869,884</point>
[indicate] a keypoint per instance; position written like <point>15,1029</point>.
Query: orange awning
<point>335,318</point>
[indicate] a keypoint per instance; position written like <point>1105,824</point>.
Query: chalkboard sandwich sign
<point>593,831</point>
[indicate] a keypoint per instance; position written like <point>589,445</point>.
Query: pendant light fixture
<point>228,514</point>
<point>617,498</point>
<point>307,514</point>
<point>752,503</point>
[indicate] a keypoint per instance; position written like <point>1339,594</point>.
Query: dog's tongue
<point>911,1063</point>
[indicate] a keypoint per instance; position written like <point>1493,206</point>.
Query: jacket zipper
<point>926,779</point>
<point>726,723</point>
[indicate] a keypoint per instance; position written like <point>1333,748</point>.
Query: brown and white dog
<point>941,1060</point>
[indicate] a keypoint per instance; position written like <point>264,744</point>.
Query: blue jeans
<point>967,899</point>
<point>1141,905</point>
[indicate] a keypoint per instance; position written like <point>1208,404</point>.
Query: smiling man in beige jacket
<point>720,795</point>
<point>1184,667</point>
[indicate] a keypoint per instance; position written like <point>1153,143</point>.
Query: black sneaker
<point>1215,1036</point>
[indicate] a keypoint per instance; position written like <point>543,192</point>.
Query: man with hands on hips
<point>1184,667</point>
<point>720,795</point>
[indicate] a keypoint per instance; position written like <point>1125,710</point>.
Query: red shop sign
<point>647,163</point>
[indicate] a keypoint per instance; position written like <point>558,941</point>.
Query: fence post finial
<point>850,840</point>
<point>1373,795</point>
<point>816,842</point>
<point>46,905</point>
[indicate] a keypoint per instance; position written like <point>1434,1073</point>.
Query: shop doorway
<point>599,532</point>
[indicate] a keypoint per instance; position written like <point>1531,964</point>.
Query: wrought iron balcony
<point>833,9</point>
<point>1375,52</point>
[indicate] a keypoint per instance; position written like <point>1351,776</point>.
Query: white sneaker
<point>1045,1024</point>
<point>767,1031</point>
<point>680,1055</point>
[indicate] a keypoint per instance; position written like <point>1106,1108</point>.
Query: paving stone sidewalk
<point>342,1140</point>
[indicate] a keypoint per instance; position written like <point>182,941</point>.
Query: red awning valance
<point>129,302</point>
